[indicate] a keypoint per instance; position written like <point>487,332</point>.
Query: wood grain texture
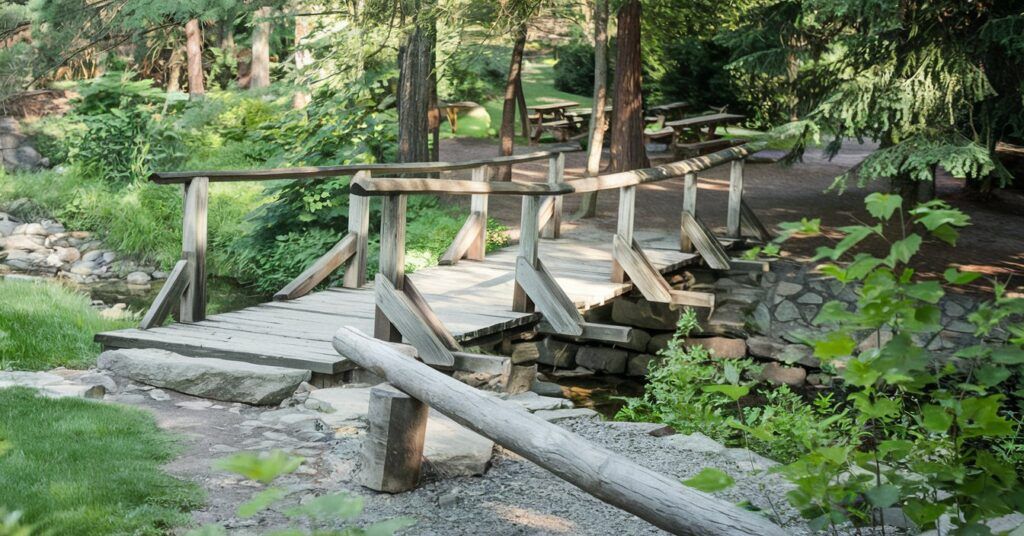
<point>704,242</point>
<point>660,173</point>
<point>732,225</point>
<point>320,269</point>
<point>529,238</point>
<point>193,249</point>
<point>468,235</point>
<point>358,226</point>
<point>170,293</point>
<point>624,229</point>
<point>647,279</point>
<point>654,497</point>
<point>478,205</point>
<point>753,224</point>
<point>385,186</point>
<point>392,453</point>
<point>403,314</point>
<point>689,207</point>
<point>556,175</point>
<point>542,289</point>
<point>391,258</point>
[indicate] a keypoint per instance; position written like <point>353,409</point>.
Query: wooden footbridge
<point>472,297</point>
<point>542,284</point>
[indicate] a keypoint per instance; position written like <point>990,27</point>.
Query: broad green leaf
<point>710,480</point>
<point>935,418</point>
<point>835,344</point>
<point>261,501</point>
<point>926,291</point>
<point>879,408</point>
<point>923,512</point>
<point>262,468</point>
<point>834,312</point>
<point>336,506</point>
<point>898,448</point>
<point>947,234</point>
<point>1008,355</point>
<point>992,375</point>
<point>980,417</point>
<point>859,373</point>
<point>882,206</point>
<point>902,250</point>
<point>883,496</point>
<point>956,277</point>
<point>854,235</point>
<point>936,214</point>
<point>861,266</point>
<point>734,392</point>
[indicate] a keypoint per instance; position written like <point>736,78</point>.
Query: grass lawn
<point>539,86</point>
<point>45,325</point>
<point>78,467</point>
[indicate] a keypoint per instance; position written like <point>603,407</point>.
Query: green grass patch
<point>539,86</point>
<point>45,325</point>
<point>78,467</point>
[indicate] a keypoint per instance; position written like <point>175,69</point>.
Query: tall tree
<point>259,76</point>
<point>303,59</point>
<point>194,54</point>
<point>588,205</point>
<point>512,88</point>
<point>173,81</point>
<point>627,143</point>
<point>414,93</point>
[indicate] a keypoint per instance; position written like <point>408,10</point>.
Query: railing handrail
<point>322,172</point>
<point>366,186</point>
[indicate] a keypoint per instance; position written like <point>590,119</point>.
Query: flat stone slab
<point>341,404</point>
<point>218,379</point>
<point>555,415</point>
<point>51,385</point>
<point>454,450</point>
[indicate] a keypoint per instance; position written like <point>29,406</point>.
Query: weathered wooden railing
<point>186,283</point>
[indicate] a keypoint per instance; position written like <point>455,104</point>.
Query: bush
<point>694,72</point>
<point>477,73</point>
<point>574,70</point>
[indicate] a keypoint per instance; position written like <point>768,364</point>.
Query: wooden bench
<point>663,135</point>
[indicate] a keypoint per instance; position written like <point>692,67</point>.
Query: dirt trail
<point>993,244</point>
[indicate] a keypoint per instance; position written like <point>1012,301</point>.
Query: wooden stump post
<point>478,205</point>
<point>735,198</point>
<point>528,238</point>
<point>627,206</point>
<point>193,249</point>
<point>359,226</point>
<point>392,453</point>
<point>392,259</point>
<point>689,207</point>
<point>556,172</point>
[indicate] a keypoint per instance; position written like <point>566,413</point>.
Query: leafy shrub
<point>476,73</point>
<point>52,135</point>
<point>574,70</point>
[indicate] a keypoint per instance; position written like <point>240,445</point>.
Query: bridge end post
<point>193,249</point>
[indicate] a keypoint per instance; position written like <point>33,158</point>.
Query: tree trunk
<point>303,59</point>
<point>508,111</point>
<point>588,205</point>
<point>259,76</point>
<point>173,81</point>
<point>413,94</point>
<point>627,144</point>
<point>194,52</point>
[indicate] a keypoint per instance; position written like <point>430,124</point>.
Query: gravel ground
<point>515,497</point>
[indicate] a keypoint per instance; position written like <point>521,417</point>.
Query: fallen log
<point>654,497</point>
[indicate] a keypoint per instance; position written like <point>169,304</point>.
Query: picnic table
<point>552,117</point>
<point>694,136</point>
<point>665,112</point>
<point>452,109</point>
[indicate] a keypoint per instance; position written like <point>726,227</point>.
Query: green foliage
<point>93,469</point>
<point>710,480</point>
<point>10,524</point>
<point>473,73</point>
<point>692,391</point>
<point>45,325</point>
<point>935,436</point>
<point>574,70</point>
<point>322,513</point>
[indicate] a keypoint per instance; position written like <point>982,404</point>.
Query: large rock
<point>638,340</point>
<point>342,404</point>
<point>640,364</point>
<point>644,314</point>
<point>721,347</point>
<point>453,450</point>
<point>695,442</point>
<point>231,381</point>
<point>782,375</point>
<point>23,241</point>
<point>602,358</point>
<point>659,343</point>
<point>137,278</point>
<point>531,401</point>
<point>557,353</point>
<point>51,385</point>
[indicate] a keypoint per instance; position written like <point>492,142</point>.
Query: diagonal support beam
<point>319,270</point>
<point>169,294</point>
<point>406,316</point>
<point>464,240</point>
<point>548,297</point>
<point>649,280</point>
<point>753,224</point>
<point>704,242</point>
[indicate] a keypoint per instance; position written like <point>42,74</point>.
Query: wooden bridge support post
<point>358,226</point>
<point>556,174</point>
<point>478,205</point>
<point>392,453</point>
<point>392,259</point>
<point>627,206</point>
<point>528,238</point>
<point>193,249</point>
<point>689,207</point>
<point>735,198</point>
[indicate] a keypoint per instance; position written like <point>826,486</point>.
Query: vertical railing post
<point>556,174</point>
<point>528,239</point>
<point>478,205</point>
<point>193,249</point>
<point>735,198</point>
<point>358,225</point>
<point>627,205</point>
<point>689,207</point>
<point>392,259</point>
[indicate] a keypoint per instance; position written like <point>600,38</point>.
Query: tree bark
<point>588,205</point>
<point>415,72</point>
<point>194,52</point>
<point>259,76</point>
<point>627,143</point>
<point>508,111</point>
<point>303,59</point>
<point>173,81</point>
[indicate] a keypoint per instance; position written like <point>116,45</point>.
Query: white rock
<point>73,390</point>
<point>531,401</point>
<point>218,379</point>
<point>341,403</point>
<point>695,442</point>
<point>83,267</point>
<point>25,242</point>
<point>137,278</point>
<point>29,379</point>
<point>159,395</point>
<point>453,450</point>
<point>31,229</point>
<point>93,255</point>
<point>67,254</point>
<point>195,405</point>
